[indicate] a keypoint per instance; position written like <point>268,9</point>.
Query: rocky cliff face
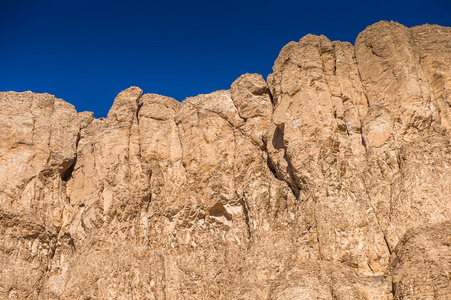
<point>330,180</point>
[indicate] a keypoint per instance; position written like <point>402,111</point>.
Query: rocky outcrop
<point>330,180</point>
<point>39,135</point>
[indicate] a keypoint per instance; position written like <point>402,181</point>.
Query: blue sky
<point>86,52</point>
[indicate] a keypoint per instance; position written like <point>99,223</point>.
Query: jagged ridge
<point>301,186</point>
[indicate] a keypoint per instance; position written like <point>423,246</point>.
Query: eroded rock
<point>331,181</point>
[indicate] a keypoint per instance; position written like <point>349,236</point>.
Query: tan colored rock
<point>403,124</point>
<point>251,96</point>
<point>318,121</point>
<point>108,192</point>
<point>432,44</point>
<point>420,266</point>
<point>39,134</point>
<point>318,280</point>
<point>394,80</point>
<point>329,181</point>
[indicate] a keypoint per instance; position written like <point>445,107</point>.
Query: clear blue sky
<point>86,52</point>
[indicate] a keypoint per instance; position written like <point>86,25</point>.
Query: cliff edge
<point>329,180</point>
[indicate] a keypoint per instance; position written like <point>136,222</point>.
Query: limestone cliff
<point>330,180</point>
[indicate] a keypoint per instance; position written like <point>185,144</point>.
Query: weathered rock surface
<point>330,180</point>
<point>420,265</point>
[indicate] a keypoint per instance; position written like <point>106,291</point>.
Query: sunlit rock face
<point>329,180</point>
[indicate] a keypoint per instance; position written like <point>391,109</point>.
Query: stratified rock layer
<point>331,180</point>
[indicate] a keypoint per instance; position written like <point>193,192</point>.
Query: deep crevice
<point>246,216</point>
<point>277,143</point>
<point>363,141</point>
<point>271,167</point>
<point>137,111</point>
<point>295,188</point>
<point>68,173</point>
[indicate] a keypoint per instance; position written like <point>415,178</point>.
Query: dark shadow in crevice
<point>68,174</point>
<point>277,139</point>
<point>278,144</point>
<point>246,216</point>
<point>218,210</point>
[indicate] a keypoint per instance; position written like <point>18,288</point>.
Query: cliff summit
<point>329,180</point>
